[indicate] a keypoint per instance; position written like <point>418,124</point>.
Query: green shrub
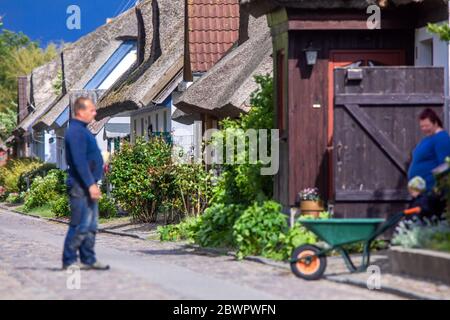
<point>14,198</point>
<point>216,226</point>
<point>443,186</point>
<point>11,172</point>
<point>60,207</point>
<point>185,230</point>
<point>290,240</point>
<point>146,182</point>
<point>263,230</point>
<point>45,190</point>
<point>106,207</point>
<point>431,235</point>
<point>192,188</point>
<point>41,171</point>
<point>258,230</point>
<point>140,178</point>
<point>239,185</point>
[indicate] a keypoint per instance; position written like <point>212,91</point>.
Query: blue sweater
<point>428,154</point>
<point>82,154</point>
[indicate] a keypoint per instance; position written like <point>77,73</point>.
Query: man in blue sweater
<point>85,170</point>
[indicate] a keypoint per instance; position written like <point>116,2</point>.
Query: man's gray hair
<point>80,104</point>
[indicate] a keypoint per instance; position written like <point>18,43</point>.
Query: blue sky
<point>45,20</point>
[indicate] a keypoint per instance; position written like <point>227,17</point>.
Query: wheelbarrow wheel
<point>311,266</point>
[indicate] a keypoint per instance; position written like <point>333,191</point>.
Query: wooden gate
<point>376,127</point>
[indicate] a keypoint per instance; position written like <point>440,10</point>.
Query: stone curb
<point>386,289</point>
<point>117,233</point>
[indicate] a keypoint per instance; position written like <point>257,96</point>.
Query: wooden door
<point>375,130</point>
<point>349,59</point>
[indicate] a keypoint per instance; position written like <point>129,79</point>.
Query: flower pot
<point>311,207</point>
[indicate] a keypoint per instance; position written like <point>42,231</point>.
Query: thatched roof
<point>96,126</point>
<point>260,7</point>
<point>83,58</point>
<point>41,91</point>
<point>226,88</point>
<point>163,59</point>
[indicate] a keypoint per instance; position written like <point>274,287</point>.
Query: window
<point>424,53</point>
<point>135,127</point>
<point>142,127</point>
<point>281,121</point>
<point>157,123</point>
<point>165,121</point>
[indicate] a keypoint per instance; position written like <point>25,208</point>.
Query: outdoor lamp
<point>311,55</point>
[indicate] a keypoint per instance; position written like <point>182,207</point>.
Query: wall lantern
<point>311,54</point>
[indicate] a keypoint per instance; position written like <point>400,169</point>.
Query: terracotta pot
<point>311,207</point>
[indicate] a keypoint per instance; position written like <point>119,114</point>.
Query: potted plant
<point>310,202</point>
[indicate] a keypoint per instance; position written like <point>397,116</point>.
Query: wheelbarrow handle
<point>415,210</point>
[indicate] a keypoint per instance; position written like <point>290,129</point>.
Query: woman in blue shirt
<point>431,150</point>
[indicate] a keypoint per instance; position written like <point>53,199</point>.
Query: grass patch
<point>113,220</point>
<point>44,211</point>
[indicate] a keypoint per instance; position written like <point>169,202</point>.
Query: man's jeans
<point>82,228</point>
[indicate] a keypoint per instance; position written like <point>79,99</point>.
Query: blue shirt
<point>83,156</point>
<point>428,154</point>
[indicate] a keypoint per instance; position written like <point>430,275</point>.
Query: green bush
<point>263,230</point>
<point>41,171</point>
<point>295,237</point>
<point>216,225</point>
<point>146,182</point>
<point>141,179</point>
<point>243,183</point>
<point>239,185</point>
<point>443,186</point>
<point>11,172</point>
<point>106,207</point>
<point>185,230</point>
<point>60,207</point>
<point>258,230</point>
<point>431,235</point>
<point>45,190</point>
<point>14,198</point>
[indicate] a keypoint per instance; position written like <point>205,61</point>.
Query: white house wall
<point>182,135</point>
<point>50,148</point>
<point>439,55</point>
<point>431,51</point>
<point>103,143</point>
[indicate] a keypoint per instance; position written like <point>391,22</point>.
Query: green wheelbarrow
<point>309,262</point>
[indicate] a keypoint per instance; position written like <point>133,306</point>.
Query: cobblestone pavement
<point>30,253</point>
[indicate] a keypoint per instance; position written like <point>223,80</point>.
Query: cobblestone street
<point>30,252</point>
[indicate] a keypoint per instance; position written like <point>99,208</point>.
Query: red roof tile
<point>213,29</point>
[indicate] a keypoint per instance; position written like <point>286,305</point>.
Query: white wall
<point>182,134</point>
<point>60,149</point>
<point>50,148</point>
<point>103,144</point>
<point>430,50</point>
<point>141,120</point>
